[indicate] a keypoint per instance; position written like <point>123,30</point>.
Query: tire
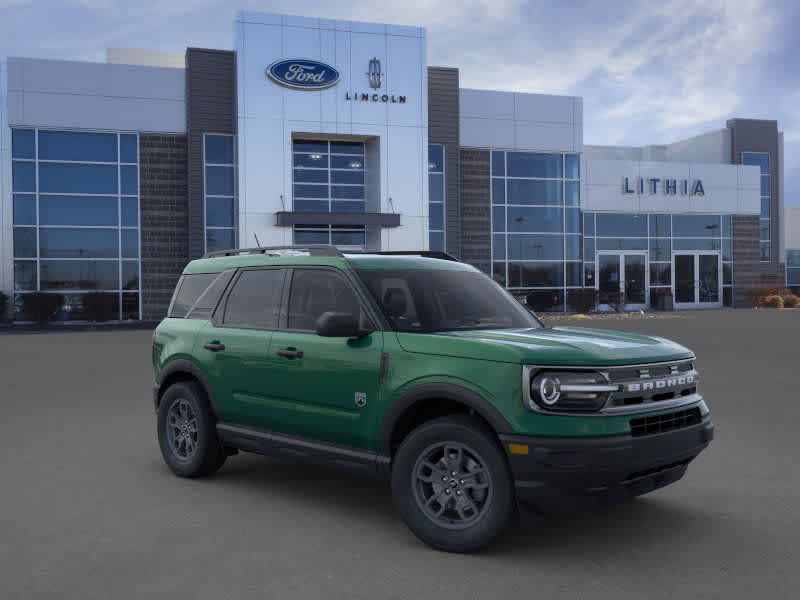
<point>479,503</point>
<point>190,447</point>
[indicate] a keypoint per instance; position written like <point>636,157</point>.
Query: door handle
<point>289,353</point>
<point>215,346</point>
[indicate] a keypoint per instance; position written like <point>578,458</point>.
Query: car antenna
<point>257,242</point>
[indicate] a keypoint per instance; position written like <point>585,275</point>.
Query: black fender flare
<point>181,365</point>
<point>446,391</point>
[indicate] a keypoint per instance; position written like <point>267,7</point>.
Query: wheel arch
<point>185,370</point>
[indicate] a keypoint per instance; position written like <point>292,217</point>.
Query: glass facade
<point>536,242</point>
<point>793,268</point>
<point>436,197</point>
<point>76,219</point>
<point>219,167</point>
<point>328,176</point>
<point>761,160</point>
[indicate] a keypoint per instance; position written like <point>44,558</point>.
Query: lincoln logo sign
<point>668,186</point>
<point>302,74</point>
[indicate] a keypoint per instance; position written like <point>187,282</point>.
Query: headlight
<point>569,391</point>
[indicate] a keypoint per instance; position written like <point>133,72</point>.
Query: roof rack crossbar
<point>312,249</point>
<point>423,253</point>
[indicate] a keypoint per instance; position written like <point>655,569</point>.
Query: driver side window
<point>316,291</point>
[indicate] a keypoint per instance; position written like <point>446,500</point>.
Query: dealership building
<point>113,175</point>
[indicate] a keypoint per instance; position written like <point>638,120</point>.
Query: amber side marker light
<point>518,448</point>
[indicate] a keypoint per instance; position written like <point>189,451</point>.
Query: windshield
<point>429,301</point>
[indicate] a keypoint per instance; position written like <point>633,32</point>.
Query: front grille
<point>647,377</point>
<point>661,370</point>
<point>665,422</point>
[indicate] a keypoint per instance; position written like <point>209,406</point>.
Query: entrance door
<point>697,279</point>
<point>622,279</point>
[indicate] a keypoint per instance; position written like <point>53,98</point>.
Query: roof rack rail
<point>312,249</point>
<point>424,253</point>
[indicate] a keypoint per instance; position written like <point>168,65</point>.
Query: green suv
<point>420,369</point>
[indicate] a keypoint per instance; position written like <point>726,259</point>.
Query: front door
<point>697,279</point>
<point>622,279</point>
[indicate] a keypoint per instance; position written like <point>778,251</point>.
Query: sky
<point>649,72</point>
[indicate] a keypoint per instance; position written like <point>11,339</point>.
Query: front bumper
<point>558,472</point>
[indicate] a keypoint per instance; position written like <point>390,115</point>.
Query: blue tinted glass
<point>128,149</point>
<point>621,244</point>
<point>129,176</point>
<point>759,159</point>
<point>341,162</point>
<point>130,274</point>
<point>539,220</point>
<point>793,277</point>
<point>353,177</point>
<point>74,145</point>
<point>573,276</point>
<point>660,249</point>
<point>23,176</point>
<point>588,249</point>
<point>78,179</point>
<point>695,244</point>
<point>498,218</point>
<point>535,247</point>
<point>348,206</point>
<point>436,187</point>
<point>498,163</point>
<point>311,237</point>
<point>572,220</point>
<point>766,251</point>
<point>436,241</point>
<point>573,166</point>
<point>25,242</point>
<point>660,274</point>
<point>78,243</point>
<point>347,148</point>
<point>80,275</point>
<point>347,238</point>
<point>130,243</point>
<point>764,229</point>
<point>23,144</point>
<point>219,181</point>
<point>25,275</point>
<point>310,191</point>
<point>311,175</point>
<point>219,239</point>
<point>24,209</point>
<point>130,212</point>
<point>588,224</point>
<point>347,192</point>
<point>660,226</point>
<point>499,247</point>
<point>310,146</point>
<point>219,212</point>
<point>498,191</point>
<point>311,205</point>
<point>219,149</point>
<point>793,258</point>
<point>727,225</point>
<point>625,225</point>
<point>435,158</point>
<point>436,216</point>
<point>765,185</point>
<point>727,249</point>
<point>527,191</point>
<point>77,210</point>
<point>530,164</point>
<point>696,225</point>
<point>588,271</point>
<point>765,208</point>
<point>572,191</point>
<point>320,161</point>
<point>544,274</point>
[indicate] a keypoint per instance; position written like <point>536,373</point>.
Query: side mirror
<point>336,324</point>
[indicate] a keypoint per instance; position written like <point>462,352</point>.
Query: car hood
<point>568,346</point>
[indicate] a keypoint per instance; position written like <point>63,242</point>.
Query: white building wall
<point>791,228</point>
<point>6,205</point>
<point>146,58</point>
<point>270,114</point>
<point>82,95</point>
<point>519,121</point>
<point>713,147</point>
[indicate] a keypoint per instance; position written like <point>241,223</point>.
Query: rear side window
<point>207,302</point>
<point>254,301</point>
<point>189,289</point>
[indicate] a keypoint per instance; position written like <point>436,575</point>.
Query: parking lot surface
<point>88,510</point>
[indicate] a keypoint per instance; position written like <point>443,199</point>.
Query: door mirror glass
<point>338,324</point>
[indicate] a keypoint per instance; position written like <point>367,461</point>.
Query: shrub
<point>41,306</point>
<point>99,306</point>
<point>758,295</point>
<point>790,301</point>
<point>773,301</point>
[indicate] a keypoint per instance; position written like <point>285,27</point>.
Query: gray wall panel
<point>476,215</point>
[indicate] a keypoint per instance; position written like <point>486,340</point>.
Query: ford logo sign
<point>303,74</point>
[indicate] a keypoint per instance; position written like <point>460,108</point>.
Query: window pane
<point>727,226</point>
<point>588,249</point>
<point>435,158</point>
<point>660,249</point>
<point>588,274</point>
<point>219,212</point>
<point>312,237</point>
<point>573,166</point>
<point>344,162</point>
<point>219,239</point>
<point>572,189</point>
<point>498,218</point>
<point>765,251</point>
<point>660,226</point>
<point>621,243</point>
<point>572,245</point>
<point>129,180</point>
<point>545,300</point>
<point>23,144</point>
<point>130,243</point>
<point>573,274</point>
<point>315,292</point>
<point>727,249</point>
<point>25,275</point>
<point>536,274</point>
<point>130,307</point>
<point>498,163</point>
<point>498,191</point>
<point>311,205</point>
<point>79,275</point>
<point>727,273</point>
<point>695,244</point>
<point>660,274</point>
<point>219,181</point>
<point>189,289</point>
<point>436,216</point>
<point>24,209</point>
<point>765,208</point>
<point>529,164</point>
<point>436,187</point>
<point>499,247</point>
<point>316,161</point>
<point>130,212</point>
<point>588,224</point>
<point>572,220</point>
<point>77,179</point>
<point>348,206</point>
<point>310,191</point>
<point>78,243</point>
<point>74,145</point>
<point>436,240</point>
<point>765,185</point>
<point>793,277</point>
<point>128,149</point>
<point>624,225</point>
<point>347,148</point>
<point>25,242</point>
<point>793,258</point>
<point>204,306</point>
<point>347,238</point>
<point>759,159</point>
<point>254,301</point>
<point>77,210</point>
<point>311,175</point>
<point>540,220</point>
<point>351,192</point>
<point>521,191</point>
<point>535,247</point>
<point>219,149</point>
<point>310,146</point>
<point>696,225</point>
<point>23,176</point>
<point>353,177</point>
<point>763,229</point>
<point>130,274</point>
<point>499,273</point>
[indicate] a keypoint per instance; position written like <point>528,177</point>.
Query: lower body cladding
<point>554,474</point>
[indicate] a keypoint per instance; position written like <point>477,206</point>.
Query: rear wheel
<point>451,484</point>
<point>187,433</point>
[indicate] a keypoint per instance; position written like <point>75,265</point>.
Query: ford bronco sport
<point>421,370</point>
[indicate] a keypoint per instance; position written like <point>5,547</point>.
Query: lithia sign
<point>667,186</point>
<point>306,74</point>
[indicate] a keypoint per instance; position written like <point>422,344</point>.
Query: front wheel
<point>452,485</point>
